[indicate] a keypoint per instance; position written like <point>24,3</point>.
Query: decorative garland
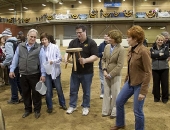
<point>151,14</point>
<point>9,20</point>
<point>92,15</point>
<point>74,16</point>
<point>49,17</point>
<point>128,14</point>
<point>26,20</point>
<point>106,14</point>
<point>116,13</point>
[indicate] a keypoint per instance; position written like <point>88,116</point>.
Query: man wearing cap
<point>30,57</point>
<point>14,82</point>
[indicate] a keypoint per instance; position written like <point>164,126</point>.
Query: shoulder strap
<point>15,44</point>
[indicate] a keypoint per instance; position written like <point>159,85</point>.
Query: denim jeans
<point>101,80</point>
<point>49,93</point>
<point>15,85</point>
<point>126,92</point>
<point>85,80</point>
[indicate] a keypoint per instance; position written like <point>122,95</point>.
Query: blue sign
<point>112,4</point>
<point>83,16</point>
<point>140,14</point>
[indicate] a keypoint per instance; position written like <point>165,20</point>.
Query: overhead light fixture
<point>162,28</point>
<point>145,0</point>
<point>43,5</point>
<point>123,0</point>
<point>54,1</point>
<point>25,7</point>
<point>61,2</point>
<point>100,1</point>
<point>11,9</point>
<point>149,27</point>
<point>80,2</point>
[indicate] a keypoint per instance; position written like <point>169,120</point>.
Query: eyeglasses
<point>79,32</point>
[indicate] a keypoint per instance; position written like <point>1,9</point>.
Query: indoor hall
<point>62,27</point>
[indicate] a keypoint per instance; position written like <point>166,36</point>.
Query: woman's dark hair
<point>44,35</point>
<point>52,39</point>
<point>49,37</point>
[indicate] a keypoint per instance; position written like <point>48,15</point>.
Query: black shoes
<point>12,102</point>
<point>165,101</point>
<point>112,117</point>
<point>49,110</point>
<point>64,107</point>
<point>37,115</point>
<point>104,115</point>
<point>27,113</point>
<point>156,100</point>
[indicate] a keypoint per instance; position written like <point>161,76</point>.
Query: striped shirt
<point>53,54</point>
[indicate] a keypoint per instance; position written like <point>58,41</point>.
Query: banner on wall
<point>112,3</point>
<point>163,14</point>
<point>140,14</point>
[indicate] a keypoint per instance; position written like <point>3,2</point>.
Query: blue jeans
<point>49,93</point>
<point>15,85</point>
<point>85,80</point>
<point>101,80</point>
<point>126,92</point>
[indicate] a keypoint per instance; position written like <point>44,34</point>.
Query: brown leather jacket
<point>139,68</point>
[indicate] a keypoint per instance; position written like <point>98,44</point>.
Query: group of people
<point>27,63</point>
<point>140,68</point>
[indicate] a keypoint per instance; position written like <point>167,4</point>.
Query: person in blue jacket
<point>100,55</point>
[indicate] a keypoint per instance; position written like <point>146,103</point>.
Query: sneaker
<point>101,96</point>
<point>70,110</point>
<point>85,111</point>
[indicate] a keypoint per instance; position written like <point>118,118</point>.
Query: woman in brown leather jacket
<point>136,81</point>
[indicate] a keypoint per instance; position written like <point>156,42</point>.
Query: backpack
<point>15,44</point>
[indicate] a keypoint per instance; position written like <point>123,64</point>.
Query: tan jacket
<point>113,62</point>
<point>140,70</point>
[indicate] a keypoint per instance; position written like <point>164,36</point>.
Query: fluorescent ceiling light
<point>123,0</point>
<point>99,0</point>
<point>60,2</point>
<point>43,5</point>
<point>10,9</point>
<point>80,2</point>
<point>162,28</point>
<point>149,27</point>
<point>25,7</point>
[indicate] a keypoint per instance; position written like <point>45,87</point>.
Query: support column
<point>134,11</point>
<point>54,31</point>
<point>21,15</point>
